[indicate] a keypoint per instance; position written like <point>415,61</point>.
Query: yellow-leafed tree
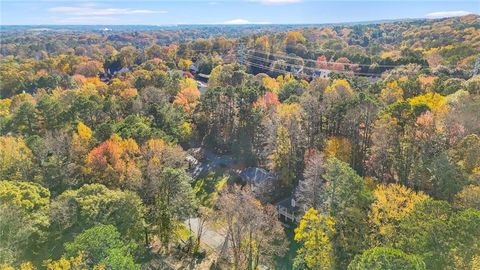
<point>391,203</point>
<point>338,147</point>
<point>391,93</point>
<point>315,232</point>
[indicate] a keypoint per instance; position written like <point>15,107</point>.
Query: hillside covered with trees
<point>259,147</point>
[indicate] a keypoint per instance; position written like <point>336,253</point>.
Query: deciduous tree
<point>174,201</point>
<point>311,188</point>
<point>344,187</point>
<point>386,258</point>
<point>254,234</point>
<point>187,98</point>
<point>76,210</point>
<point>102,244</point>
<point>24,221</point>
<point>315,234</point>
<point>113,163</point>
<point>16,159</point>
<point>469,197</point>
<point>391,203</point>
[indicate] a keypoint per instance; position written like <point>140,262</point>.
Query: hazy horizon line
<point>243,24</point>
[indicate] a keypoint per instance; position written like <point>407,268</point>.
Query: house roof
<point>287,203</point>
<point>255,175</point>
<point>203,75</point>
<point>191,159</point>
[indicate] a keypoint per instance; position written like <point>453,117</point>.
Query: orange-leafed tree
<point>267,101</point>
<point>156,156</point>
<point>113,163</point>
<point>129,93</point>
<point>322,62</point>
<point>187,98</point>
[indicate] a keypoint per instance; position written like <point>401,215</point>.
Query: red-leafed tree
<point>113,163</point>
<point>268,101</point>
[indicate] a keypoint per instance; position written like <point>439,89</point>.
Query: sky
<point>151,12</point>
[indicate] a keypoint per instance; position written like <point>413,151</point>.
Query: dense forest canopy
<point>353,146</point>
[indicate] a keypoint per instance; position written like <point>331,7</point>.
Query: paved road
<point>202,87</point>
<point>212,160</point>
<point>209,237</point>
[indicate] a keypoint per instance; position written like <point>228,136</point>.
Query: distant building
<point>193,69</point>
<point>197,152</point>
<point>203,77</point>
<point>123,70</point>
<point>104,77</point>
<point>321,73</point>
<point>202,87</point>
<point>192,161</point>
<point>297,70</point>
<point>113,71</point>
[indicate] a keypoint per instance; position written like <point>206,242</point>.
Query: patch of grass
<point>286,262</point>
<point>208,187</point>
<point>182,232</point>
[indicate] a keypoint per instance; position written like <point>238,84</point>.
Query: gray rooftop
<point>255,175</point>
